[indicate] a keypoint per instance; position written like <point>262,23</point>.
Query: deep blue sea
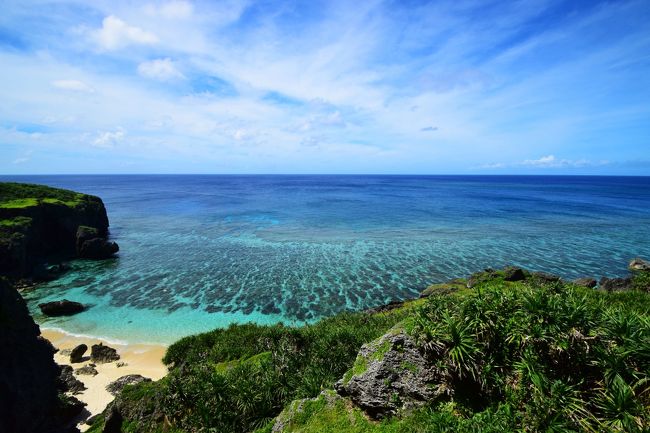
<point>199,252</point>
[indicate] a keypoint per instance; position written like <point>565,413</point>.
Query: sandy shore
<point>143,359</point>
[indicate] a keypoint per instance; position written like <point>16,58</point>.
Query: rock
<point>586,282</point>
<point>31,388</point>
<point>69,382</point>
<point>638,264</point>
<point>512,273</point>
<point>113,423</point>
<point>103,354</point>
<point>87,370</point>
<point>481,277</point>
<point>98,249</point>
<point>61,308</point>
<point>85,233</point>
<point>444,288</point>
<point>390,375</point>
<point>118,385</point>
<point>615,284</point>
<point>77,353</point>
<point>386,307</point>
<point>91,420</point>
<point>545,278</point>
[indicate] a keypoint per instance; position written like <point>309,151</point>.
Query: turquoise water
<point>199,252</point>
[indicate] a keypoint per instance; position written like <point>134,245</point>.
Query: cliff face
<point>38,222</point>
<point>31,398</point>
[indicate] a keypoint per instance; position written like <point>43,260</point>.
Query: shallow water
<point>197,252</point>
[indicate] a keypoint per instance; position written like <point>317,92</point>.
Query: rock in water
<point>615,284</point>
<point>103,354</point>
<point>77,353</point>
<point>586,282</point>
<point>512,273</point>
<point>61,308</point>
<point>98,249</point>
<point>130,379</point>
<point>87,370</point>
<point>639,264</point>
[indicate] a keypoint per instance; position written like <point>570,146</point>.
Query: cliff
<point>32,397</point>
<point>40,224</point>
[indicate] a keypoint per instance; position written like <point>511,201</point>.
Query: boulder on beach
<point>69,382</point>
<point>77,353</point>
<point>118,385</point>
<point>61,308</point>
<point>103,354</point>
<point>87,370</point>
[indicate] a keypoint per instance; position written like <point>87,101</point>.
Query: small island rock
<point>103,354</point>
<point>77,353</point>
<point>61,308</point>
<point>98,248</point>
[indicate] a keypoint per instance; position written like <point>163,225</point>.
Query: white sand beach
<point>143,359</point>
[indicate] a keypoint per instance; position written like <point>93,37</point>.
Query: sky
<point>411,87</point>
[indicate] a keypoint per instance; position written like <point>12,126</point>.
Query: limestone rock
<point>77,353</point>
<point>118,385</point>
<point>513,273</point>
<point>586,282</point>
<point>390,374</point>
<point>103,354</point>
<point>615,284</point>
<point>87,370</point>
<point>69,382</point>
<point>98,249</point>
<point>638,264</point>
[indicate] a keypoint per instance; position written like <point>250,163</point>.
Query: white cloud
<point>74,85</point>
<point>160,69</point>
<point>25,158</point>
<point>550,161</point>
<point>116,34</point>
<point>176,9</point>
<point>108,139</point>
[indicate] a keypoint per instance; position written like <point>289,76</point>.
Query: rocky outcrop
<point>638,264</point>
<point>512,273</point>
<point>69,382</point>
<point>61,308</point>
<point>41,222</point>
<point>118,385</point>
<point>391,374</point>
<point>30,385</point>
<point>87,370</point>
<point>103,354</point>
<point>98,249</point>
<point>76,355</point>
<point>586,282</point>
<point>615,284</point>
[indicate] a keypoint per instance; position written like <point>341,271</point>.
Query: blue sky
<point>235,86</point>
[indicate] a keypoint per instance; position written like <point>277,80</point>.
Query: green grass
<point>18,195</point>
<point>16,223</point>
<point>517,357</point>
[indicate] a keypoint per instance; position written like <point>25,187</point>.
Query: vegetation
<point>19,195</point>
<point>522,356</point>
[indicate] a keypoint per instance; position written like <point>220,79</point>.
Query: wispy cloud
<point>115,34</point>
<point>160,69</point>
<point>74,85</point>
<point>450,86</point>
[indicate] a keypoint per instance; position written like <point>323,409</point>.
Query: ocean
<point>203,251</point>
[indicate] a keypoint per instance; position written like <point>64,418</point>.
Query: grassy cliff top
<point>20,195</point>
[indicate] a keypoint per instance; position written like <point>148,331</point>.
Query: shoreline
<point>139,358</point>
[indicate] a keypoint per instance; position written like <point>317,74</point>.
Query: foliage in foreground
<point>519,357</point>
